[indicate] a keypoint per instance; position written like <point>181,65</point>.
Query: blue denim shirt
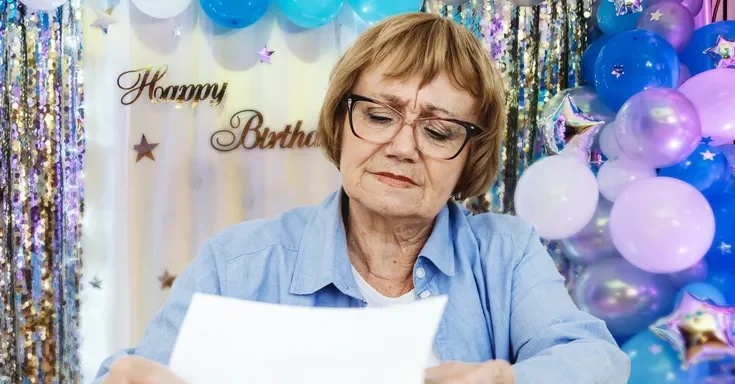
<point>506,298</point>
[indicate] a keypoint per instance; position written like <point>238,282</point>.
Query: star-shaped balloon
<point>567,126</point>
<point>104,20</point>
<point>698,330</point>
<point>623,7</point>
<point>265,55</point>
<point>723,52</point>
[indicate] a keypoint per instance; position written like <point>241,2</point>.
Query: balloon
<point>43,5</point>
<point>587,100</point>
<point>713,94</point>
<point>722,252</point>
<point>698,330</point>
<point>565,125</point>
<point>694,274</point>
<point>590,57</point>
<point>658,127</point>
<point>162,9</point>
<point>625,297</point>
<point>376,10</point>
<point>527,3</point>
<point>704,38</point>
<point>653,361</point>
<point>610,23</point>
<point>631,62</point>
<point>724,281</point>
<point>558,195</point>
<point>706,169</point>
<point>309,14</point>
<point>234,13</point>
<point>618,174</point>
<point>662,225</point>
<point>608,142</point>
<point>593,243</point>
<point>694,6</point>
<point>684,74</point>
<point>702,291</point>
<point>670,20</point>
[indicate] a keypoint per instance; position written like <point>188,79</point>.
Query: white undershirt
<point>376,299</point>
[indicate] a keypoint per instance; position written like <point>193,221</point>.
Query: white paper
<point>228,341</point>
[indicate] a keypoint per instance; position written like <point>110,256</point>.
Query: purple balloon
<point>659,127</point>
<point>670,20</point>
<point>625,297</point>
<point>662,225</point>
<point>684,74</point>
<point>694,274</point>
<point>713,94</point>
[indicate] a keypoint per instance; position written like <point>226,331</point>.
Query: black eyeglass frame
<point>470,128</point>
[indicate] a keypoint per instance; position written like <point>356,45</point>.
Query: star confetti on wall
<point>144,149</point>
<point>265,54</point>
<point>96,283</point>
<point>167,280</point>
<point>104,20</point>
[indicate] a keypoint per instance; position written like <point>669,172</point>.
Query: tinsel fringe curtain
<point>539,50</point>
<point>41,192</point>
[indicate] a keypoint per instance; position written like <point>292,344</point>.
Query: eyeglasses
<point>435,137</point>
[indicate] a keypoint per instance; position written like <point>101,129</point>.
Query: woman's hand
<point>489,372</point>
<point>137,370</point>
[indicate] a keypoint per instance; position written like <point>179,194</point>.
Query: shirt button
<point>420,273</point>
<point>425,294</point>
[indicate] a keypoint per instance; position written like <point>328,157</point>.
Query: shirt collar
<point>322,258</point>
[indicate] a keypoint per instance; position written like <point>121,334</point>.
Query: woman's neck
<point>384,249</point>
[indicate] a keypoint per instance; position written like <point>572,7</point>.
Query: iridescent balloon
<point>565,124</point>
<point>593,243</point>
<point>608,142</point>
<point>587,100</point>
<point>659,127</point>
<point>625,297</point>
<point>694,274</point>
<point>618,174</point>
<point>670,20</point>
<point>698,330</point>
<point>662,225</point>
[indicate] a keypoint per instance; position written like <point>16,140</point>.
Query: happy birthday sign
<point>137,81</point>
<point>254,135</point>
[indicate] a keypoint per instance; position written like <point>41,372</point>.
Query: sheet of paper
<point>228,341</point>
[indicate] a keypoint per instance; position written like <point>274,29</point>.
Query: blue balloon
<point>724,281</point>
<point>693,55</point>
<point>631,62</point>
<point>703,291</point>
<point>722,253</point>
<point>653,361</point>
<point>310,14</point>
<point>235,13</point>
<point>375,10</point>
<point>705,169</point>
<point>610,23</point>
<point>590,57</point>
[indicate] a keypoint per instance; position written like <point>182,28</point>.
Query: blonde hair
<point>428,46</point>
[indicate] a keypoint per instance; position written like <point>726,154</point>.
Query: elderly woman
<point>413,119</point>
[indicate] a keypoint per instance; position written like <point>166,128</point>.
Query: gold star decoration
<point>96,283</point>
<point>167,280</point>
<point>144,149</point>
<point>104,20</point>
<point>656,16</point>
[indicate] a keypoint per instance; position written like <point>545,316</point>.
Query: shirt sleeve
<point>553,341</point>
<point>202,275</point>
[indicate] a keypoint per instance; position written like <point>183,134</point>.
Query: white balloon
<point>608,143</point>
<point>618,174</point>
<point>162,9</point>
<point>558,195</point>
<point>43,5</point>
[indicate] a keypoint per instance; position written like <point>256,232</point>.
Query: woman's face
<point>395,179</point>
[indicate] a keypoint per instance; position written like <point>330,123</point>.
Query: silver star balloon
<point>624,7</point>
<point>565,125</point>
